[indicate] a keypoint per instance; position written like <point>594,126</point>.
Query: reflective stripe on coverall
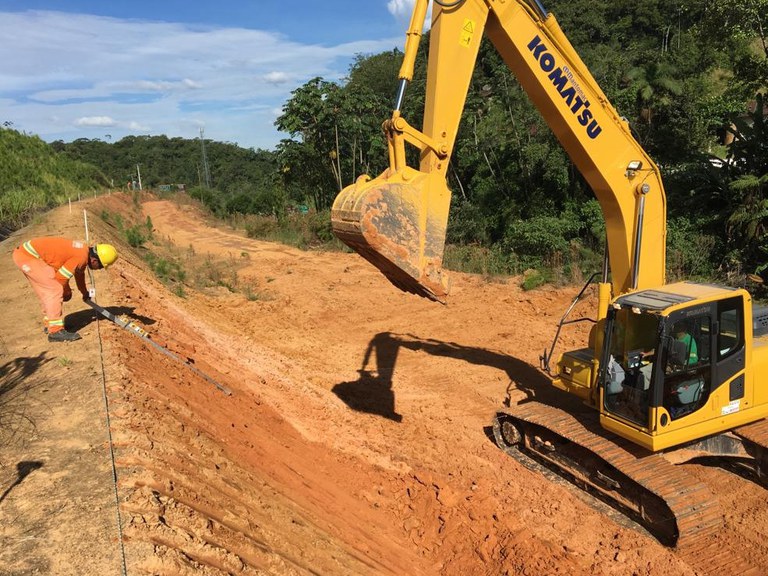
<point>48,264</point>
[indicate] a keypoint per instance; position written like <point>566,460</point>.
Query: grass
<point>494,264</point>
<point>313,231</point>
<point>252,294</point>
<point>304,231</point>
<point>184,269</point>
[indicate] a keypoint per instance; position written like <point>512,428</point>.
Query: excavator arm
<point>398,220</point>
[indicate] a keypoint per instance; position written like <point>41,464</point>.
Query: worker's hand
<point>86,297</point>
<point>67,295</point>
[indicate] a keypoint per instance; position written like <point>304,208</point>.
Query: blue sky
<point>107,69</point>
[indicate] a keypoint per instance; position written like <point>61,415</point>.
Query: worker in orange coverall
<point>49,263</point>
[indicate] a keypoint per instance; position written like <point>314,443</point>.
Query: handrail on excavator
<point>546,357</point>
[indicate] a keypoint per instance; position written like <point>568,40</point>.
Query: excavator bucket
<point>399,227</point>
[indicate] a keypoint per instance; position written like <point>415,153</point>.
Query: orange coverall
<point>49,263</point>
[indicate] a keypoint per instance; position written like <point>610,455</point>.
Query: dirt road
<point>355,440</point>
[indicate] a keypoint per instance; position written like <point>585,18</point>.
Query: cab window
<point>629,370</point>
<point>730,331</point>
<point>686,362</point>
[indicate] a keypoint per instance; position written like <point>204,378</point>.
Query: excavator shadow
<point>372,392</point>
<point>82,318</point>
<point>741,467</point>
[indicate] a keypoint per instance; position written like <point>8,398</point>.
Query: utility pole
<point>138,173</point>
<point>206,172</point>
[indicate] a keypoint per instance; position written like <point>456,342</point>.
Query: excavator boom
<point>398,220</point>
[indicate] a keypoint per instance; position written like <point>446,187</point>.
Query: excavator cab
<point>629,376</point>
<point>673,357</point>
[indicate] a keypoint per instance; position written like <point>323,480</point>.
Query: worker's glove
<point>67,295</point>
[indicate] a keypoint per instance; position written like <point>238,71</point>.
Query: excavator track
<point>654,492</point>
<point>754,437</point>
<point>659,495</point>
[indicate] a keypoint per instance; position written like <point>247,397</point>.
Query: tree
<point>747,169</point>
<point>654,84</point>
<point>311,114</point>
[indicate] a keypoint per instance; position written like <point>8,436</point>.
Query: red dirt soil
<point>355,440</point>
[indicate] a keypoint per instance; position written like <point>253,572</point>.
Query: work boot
<point>63,336</point>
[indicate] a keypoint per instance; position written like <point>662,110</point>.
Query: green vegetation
<point>686,75</point>
<point>182,269</point>
<point>33,178</point>
<point>689,76</point>
<point>304,231</point>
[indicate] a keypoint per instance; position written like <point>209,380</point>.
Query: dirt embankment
<point>355,440</point>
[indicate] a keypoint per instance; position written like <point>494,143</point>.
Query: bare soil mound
<point>355,440</point>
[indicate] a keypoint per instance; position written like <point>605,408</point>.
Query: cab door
<point>685,375</point>
<point>729,355</point>
<point>703,354</point>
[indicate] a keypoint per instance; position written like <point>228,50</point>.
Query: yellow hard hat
<point>106,254</point>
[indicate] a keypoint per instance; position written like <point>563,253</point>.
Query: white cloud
<point>106,121</point>
<point>95,121</point>
<point>138,127</point>
<point>166,85</point>
<point>403,9</point>
<point>276,78</point>
<point>67,76</point>
<point>400,8</point>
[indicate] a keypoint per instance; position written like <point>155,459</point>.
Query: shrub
<point>134,236</point>
<point>533,279</point>
<point>475,259</point>
<point>260,226</point>
<point>541,236</point>
<point>297,229</point>
<point>689,251</point>
<point>467,224</point>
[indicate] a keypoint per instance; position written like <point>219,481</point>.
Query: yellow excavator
<point>670,371</point>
